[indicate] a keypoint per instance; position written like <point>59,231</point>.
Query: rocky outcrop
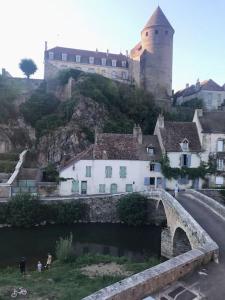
<point>76,136</point>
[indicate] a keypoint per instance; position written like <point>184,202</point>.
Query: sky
<point>199,40</point>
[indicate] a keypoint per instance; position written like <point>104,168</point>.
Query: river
<point>137,243</point>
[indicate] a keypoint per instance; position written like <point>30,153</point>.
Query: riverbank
<point>74,281</point>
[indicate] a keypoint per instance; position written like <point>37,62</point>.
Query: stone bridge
<point>183,241</point>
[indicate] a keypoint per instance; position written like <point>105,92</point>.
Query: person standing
<point>49,261</point>
<point>176,190</point>
<point>39,266</point>
<point>22,266</point>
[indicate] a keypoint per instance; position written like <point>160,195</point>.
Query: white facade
<point>137,175</point>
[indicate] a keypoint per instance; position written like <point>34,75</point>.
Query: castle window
<point>91,60</point>
<point>113,62</point>
<point>166,32</point>
<point>156,31</point>
<point>103,61</point>
<point>51,55</point>
<point>64,56</point>
<point>78,58</point>
<point>146,33</point>
<point>124,64</point>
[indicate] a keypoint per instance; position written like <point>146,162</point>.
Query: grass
<point>65,281</point>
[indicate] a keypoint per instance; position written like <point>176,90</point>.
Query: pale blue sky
<point>199,40</point>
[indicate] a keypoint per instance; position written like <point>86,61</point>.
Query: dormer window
<point>103,61</point>
<point>113,62</point>
<point>78,58</point>
<point>51,55</point>
<point>91,60</point>
<point>185,145</point>
<point>64,56</point>
<point>124,64</point>
<point>150,150</point>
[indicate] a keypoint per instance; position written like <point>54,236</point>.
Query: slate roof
<point>213,122</point>
<point>158,19</point>
<point>174,133</point>
<point>112,146</point>
<point>85,54</point>
<point>206,85</point>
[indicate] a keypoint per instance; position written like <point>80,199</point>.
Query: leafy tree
<point>50,173</point>
<point>133,209</point>
<point>27,66</point>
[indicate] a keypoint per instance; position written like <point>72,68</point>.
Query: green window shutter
<point>88,171</point>
<point>113,188</point>
<point>129,188</point>
<point>108,172</point>
<point>102,188</point>
<point>75,186</point>
<point>123,172</point>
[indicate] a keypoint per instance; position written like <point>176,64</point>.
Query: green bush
<point>64,249</point>
<point>69,213</point>
<point>50,173</point>
<point>7,166</point>
<point>133,209</point>
<point>3,213</point>
<point>23,211</point>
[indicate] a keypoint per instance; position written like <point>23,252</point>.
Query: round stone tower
<point>157,56</point>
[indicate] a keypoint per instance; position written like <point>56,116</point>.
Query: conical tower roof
<point>158,19</point>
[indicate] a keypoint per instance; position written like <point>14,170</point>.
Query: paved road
<point>210,282</point>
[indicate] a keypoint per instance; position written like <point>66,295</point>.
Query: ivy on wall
<point>192,173</point>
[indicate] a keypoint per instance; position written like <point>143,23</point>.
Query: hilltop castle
<point>149,64</point>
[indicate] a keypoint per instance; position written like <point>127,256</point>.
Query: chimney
<point>187,85</point>
<point>97,50</point>
<point>46,45</point>
<point>198,83</point>
<point>160,121</point>
<point>107,53</point>
<point>137,133</point>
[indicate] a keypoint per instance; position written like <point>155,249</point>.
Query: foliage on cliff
<point>7,96</point>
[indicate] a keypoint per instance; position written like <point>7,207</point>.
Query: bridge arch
<point>160,214</point>
<point>181,243</point>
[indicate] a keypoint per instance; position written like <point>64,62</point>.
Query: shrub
<point>64,249</point>
<point>132,209</point>
<point>68,213</point>
<point>50,173</point>
<point>3,213</point>
<point>24,211</point>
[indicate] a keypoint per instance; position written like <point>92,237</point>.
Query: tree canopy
<point>28,66</point>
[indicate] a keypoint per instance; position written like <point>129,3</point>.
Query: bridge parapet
<point>141,285</point>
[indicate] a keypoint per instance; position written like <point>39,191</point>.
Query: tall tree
<point>28,67</point>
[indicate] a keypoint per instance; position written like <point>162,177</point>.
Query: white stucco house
<point>115,163</point>
<point>211,93</point>
<point>211,131</point>
<point>180,142</point>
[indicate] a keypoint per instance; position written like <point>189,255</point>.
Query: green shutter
<point>113,188</point>
<point>129,188</point>
<point>108,172</point>
<point>102,188</point>
<point>88,171</point>
<point>75,186</point>
<point>123,172</point>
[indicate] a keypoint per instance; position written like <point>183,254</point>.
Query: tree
<point>28,67</point>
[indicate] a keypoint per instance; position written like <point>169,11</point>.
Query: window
<point>220,146</point>
<point>88,171</point>
<point>156,31</point>
<point>51,55</point>
<point>219,180</point>
<point>150,151</point>
<point>146,33</point>
<point>146,181</point>
<point>113,74</point>
<point>108,172</point>
<point>102,188</point>
<point>152,167</point>
<point>123,172</point>
<point>124,64</point>
<point>75,186</point>
<point>113,62</point>
<point>78,58</point>
<point>185,160</point>
<point>91,60</point>
<point>220,165</point>
<point>64,56</point>
<point>152,180</point>
<point>103,61</point>
<point>166,32</point>
<point>129,188</point>
<point>185,145</point>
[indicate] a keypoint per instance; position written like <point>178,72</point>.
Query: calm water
<point>117,240</point>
